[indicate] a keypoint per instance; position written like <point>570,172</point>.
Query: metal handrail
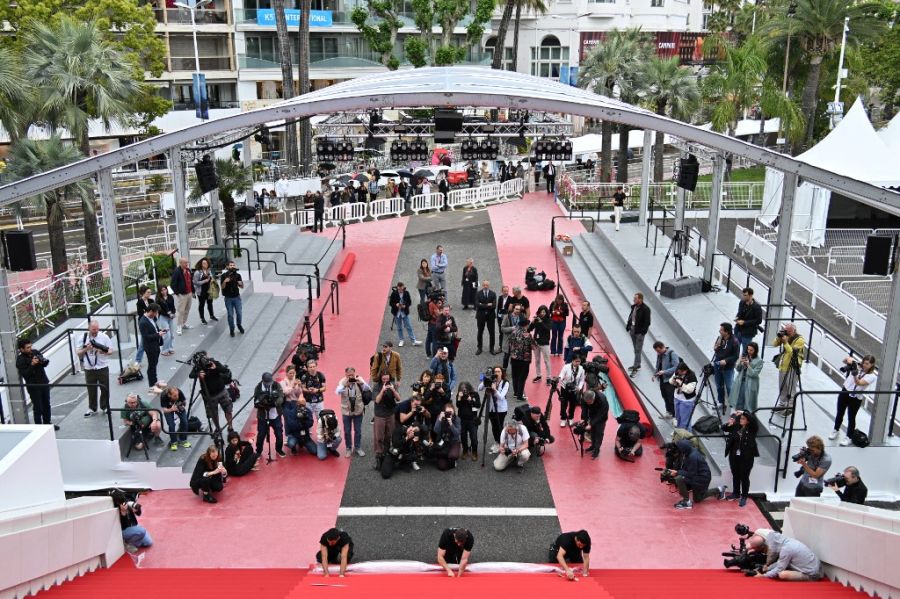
<point>24,386</point>
<point>568,217</point>
<point>757,436</point>
<point>132,315</point>
<point>306,330</point>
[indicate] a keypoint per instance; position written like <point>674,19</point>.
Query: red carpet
<point>614,500</point>
<point>276,523</point>
<point>297,584</point>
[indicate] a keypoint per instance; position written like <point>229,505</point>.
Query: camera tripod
<point>553,383</point>
<point>487,407</point>
<point>215,431</point>
<point>680,241</point>
<point>710,401</point>
<point>793,374</point>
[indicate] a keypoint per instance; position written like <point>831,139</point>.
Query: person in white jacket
<point>685,382</point>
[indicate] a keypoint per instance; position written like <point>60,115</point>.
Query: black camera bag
<point>194,425</point>
<point>424,314</point>
<point>708,425</point>
<point>859,438</point>
<point>629,416</point>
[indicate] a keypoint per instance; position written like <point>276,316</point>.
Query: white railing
<point>512,187</point>
<point>386,207</point>
<point>465,196</point>
<point>735,196</point>
<point>427,201</point>
<point>303,218</point>
<point>347,212</point>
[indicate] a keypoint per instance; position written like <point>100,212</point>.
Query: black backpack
<point>424,314</point>
<point>629,416</point>
<point>329,418</point>
<point>708,425</point>
<point>859,438</point>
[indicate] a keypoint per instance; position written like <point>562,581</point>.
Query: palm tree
<point>538,8</point>
<point>30,157</point>
<point>609,65</point>
<point>672,91</point>
<point>82,77</point>
<point>303,72</point>
<point>287,78</point>
<point>233,179</point>
<point>500,45</point>
<point>817,27</point>
<point>12,93</point>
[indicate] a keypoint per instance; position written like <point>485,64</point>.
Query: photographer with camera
<point>93,352</point>
<point>455,547</point>
<point>749,317</point>
<point>447,432</point>
<point>386,402</point>
<point>684,381</point>
<point>467,407</point>
<point>31,365</point>
<point>240,459</point>
<point>134,535</point>
<point>594,414</point>
<point>741,450</point>
<point>571,381</point>
<point>628,439</point>
<point>446,331</point>
<point>666,363</point>
<point>298,419</point>
<point>521,346</point>
<point>855,491</point>
<point>353,392</point>
<point>513,447</point>
<point>405,448</point>
<point>312,382</point>
<point>144,424</point>
<point>792,345</point>
<point>335,546</point>
<point>747,373</point>
<point>173,405</point>
<point>786,558</point>
<point>540,330</point>
<point>400,301</point>
<point>232,283</point>
<point>268,399</point>
<point>538,429</point>
<point>814,463</point>
<point>577,344</point>
<point>860,377</point>
<point>209,475</point>
<point>572,548</point>
<point>442,364</point>
<point>693,477</point>
<point>508,324</point>
<point>328,434</point>
<point>495,387</point>
<point>726,351</point>
<point>214,379</point>
<point>385,362</point>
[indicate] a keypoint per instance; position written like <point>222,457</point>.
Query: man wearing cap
<point>268,398</point>
<point>387,361</point>
<point>513,447</point>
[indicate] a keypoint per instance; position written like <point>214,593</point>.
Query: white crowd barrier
<point>427,201</point>
<point>512,187</point>
<point>385,207</point>
<point>462,197</point>
<point>347,212</point>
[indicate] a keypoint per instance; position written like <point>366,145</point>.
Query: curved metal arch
<point>451,87</point>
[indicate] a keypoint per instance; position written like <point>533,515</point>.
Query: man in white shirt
<point>513,446</point>
<point>93,351</point>
<point>571,383</point>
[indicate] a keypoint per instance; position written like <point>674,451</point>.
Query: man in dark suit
<point>504,301</point>
<point>152,338</point>
<point>637,325</point>
<point>550,176</point>
<point>485,313</point>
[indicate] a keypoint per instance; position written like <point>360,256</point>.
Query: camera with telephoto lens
<point>664,476</point>
<point>264,401</point>
<point>742,558</point>
<point>781,334</point>
<point>851,369</point>
<point>417,387</point>
<point>803,454</point>
<point>580,428</point>
<point>839,480</point>
<point>99,346</point>
<point>553,381</point>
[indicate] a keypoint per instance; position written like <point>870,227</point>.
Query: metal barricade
<point>427,201</point>
<point>386,207</point>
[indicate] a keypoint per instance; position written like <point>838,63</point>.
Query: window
<point>263,47</point>
<point>322,48</point>
<point>548,58</point>
<point>507,63</point>
<point>656,3</point>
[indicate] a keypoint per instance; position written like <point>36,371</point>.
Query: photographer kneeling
<point>786,558</point>
<point>628,441</point>
<point>240,458</point>
<point>268,399</point>
<point>859,378</point>
<point>298,420</point>
<point>173,403</point>
<point>513,447</point>
<point>855,491</point>
<point>405,448</point>
<point>328,435</point>
<point>693,477</point>
<point>143,423</point>
<point>447,446</point>
<point>134,535</point>
<point>537,426</point>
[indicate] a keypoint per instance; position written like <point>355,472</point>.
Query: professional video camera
<point>580,429</point>
<point>200,361</point>
<point>489,376</point>
<point>265,401</point>
<point>740,557</point>
<point>839,480</point>
<point>596,365</point>
<point>708,369</point>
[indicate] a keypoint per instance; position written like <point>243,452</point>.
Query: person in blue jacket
<point>692,477</point>
<point>297,422</point>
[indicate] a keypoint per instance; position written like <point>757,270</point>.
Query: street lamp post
<point>837,112</point>
<point>199,79</point>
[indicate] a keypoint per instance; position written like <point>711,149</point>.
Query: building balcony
<point>252,16</point>
<point>213,105</point>
<point>348,59</point>
<point>182,16</point>
<point>207,63</point>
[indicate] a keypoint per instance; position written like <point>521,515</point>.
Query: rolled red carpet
<point>346,267</point>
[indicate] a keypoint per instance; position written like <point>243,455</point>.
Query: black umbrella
<point>361,177</point>
<point>405,173</point>
<point>344,178</point>
<point>424,173</point>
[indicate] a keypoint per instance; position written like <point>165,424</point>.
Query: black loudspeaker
<point>688,171</point>
<point>244,213</point>
<point>877,260</point>
<point>444,137</point>
<point>447,120</point>
<point>19,250</point>
<point>218,256</point>
<point>206,175</point>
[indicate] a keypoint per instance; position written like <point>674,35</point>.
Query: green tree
<point>538,7</point>
<point>83,77</point>
<point>672,91</point>
<point>13,93</point>
<point>234,179</point>
<point>816,28</point>
<point>446,14</point>
<point>30,157</point>
<point>610,65</point>
<point>880,63</point>
<point>381,36</point>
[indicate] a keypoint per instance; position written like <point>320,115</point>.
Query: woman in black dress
<point>469,284</point>
<point>240,458</point>
<point>740,447</point>
<point>208,476</point>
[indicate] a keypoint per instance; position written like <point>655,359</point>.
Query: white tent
<point>890,134</point>
<point>748,127</point>
<point>592,143</point>
<point>852,149</point>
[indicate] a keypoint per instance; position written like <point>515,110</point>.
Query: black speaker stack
<point>18,250</point>
<point>553,149</point>
<point>330,150</point>
<point>487,149</point>
<point>877,259</point>
<point>447,123</point>
<point>206,174</point>
<point>409,151</point>
<point>688,171</point>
